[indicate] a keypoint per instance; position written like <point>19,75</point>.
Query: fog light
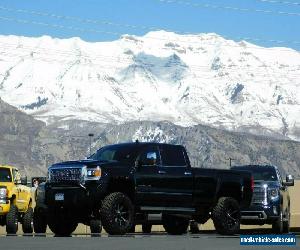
<point>275,210</point>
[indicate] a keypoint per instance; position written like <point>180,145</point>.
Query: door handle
<point>162,172</point>
<point>187,173</point>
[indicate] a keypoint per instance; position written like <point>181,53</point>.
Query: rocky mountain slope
<point>18,133</point>
<point>184,79</point>
<point>209,147</point>
<point>31,145</point>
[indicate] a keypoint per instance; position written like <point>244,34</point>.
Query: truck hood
<point>274,184</point>
<point>12,187</point>
<point>87,162</point>
<point>8,185</point>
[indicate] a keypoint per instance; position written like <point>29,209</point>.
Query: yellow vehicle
<point>15,201</point>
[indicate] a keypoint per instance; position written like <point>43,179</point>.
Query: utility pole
<point>230,161</point>
<point>91,135</point>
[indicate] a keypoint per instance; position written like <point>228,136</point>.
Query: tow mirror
<point>24,180</point>
<point>289,180</point>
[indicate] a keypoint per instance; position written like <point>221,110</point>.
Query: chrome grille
<point>259,195</point>
<point>59,175</point>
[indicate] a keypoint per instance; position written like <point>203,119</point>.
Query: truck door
<point>20,201</point>
<point>176,175</point>
<point>148,180</point>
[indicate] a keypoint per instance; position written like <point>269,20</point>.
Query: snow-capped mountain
<point>184,79</point>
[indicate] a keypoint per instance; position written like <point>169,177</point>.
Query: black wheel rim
<point>232,216</point>
<point>121,215</point>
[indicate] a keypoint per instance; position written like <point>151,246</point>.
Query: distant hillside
<point>18,133</point>
<point>210,147</point>
<point>31,145</point>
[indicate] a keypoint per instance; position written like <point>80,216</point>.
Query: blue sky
<point>140,16</point>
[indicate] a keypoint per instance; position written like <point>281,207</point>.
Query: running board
<point>169,209</point>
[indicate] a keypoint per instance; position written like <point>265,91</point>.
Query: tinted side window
<point>5,175</point>
<point>121,153</point>
<point>150,156</point>
<point>172,156</point>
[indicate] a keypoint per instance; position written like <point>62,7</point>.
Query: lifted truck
<point>123,184</point>
<point>15,201</point>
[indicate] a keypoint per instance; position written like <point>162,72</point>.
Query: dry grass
<point>295,220</point>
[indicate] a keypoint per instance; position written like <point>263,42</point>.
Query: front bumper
<point>74,197</point>
<point>261,214</point>
<point>4,209</point>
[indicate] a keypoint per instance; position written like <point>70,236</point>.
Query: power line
<point>232,78</point>
<point>24,21</point>
<point>111,59</point>
<point>211,6</point>
<point>280,2</point>
<point>265,40</point>
<point>57,26</point>
<point>77,19</point>
<point>206,75</point>
<point>51,51</point>
<point>32,51</point>
<point>105,22</point>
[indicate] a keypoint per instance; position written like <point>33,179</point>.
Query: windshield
<point>121,153</point>
<point>5,175</point>
<point>260,173</point>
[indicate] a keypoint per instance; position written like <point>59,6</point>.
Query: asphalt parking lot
<point>138,241</point>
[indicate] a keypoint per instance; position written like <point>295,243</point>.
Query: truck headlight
<point>274,194</point>
<point>48,176</point>
<point>93,173</point>
<point>3,195</point>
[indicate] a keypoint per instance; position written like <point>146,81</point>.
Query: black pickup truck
<point>121,185</point>
<point>271,201</point>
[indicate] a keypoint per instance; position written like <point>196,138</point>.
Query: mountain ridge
<point>185,79</point>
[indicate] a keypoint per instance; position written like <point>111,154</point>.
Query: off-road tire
<point>27,223</point>
<point>146,228</point>
<point>95,227</point>
<point>132,229</point>
<point>286,223</point>
<point>12,220</point>
<point>61,226</point>
<point>175,225</point>
<point>194,227</point>
<point>117,214</point>
<point>277,226</point>
<point>39,221</point>
<point>226,216</point>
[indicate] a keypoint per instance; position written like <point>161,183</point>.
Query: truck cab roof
<point>7,166</point>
